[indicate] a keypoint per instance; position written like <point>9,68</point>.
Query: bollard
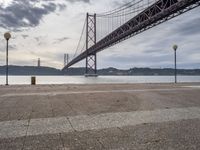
<point>33,80</point>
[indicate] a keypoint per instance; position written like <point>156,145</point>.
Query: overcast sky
<point>47,29</point>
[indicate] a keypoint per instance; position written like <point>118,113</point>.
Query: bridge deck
<point>157,13</point>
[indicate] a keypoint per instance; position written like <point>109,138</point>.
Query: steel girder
<point>91,65</point>
<point>157,13</point>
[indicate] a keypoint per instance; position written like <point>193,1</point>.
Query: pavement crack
<point>71,124</point>
<point>70,107</point>
<point>98,140</point>
<point>52,110</point>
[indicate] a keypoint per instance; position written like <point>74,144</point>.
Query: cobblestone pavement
<point>115,117</point>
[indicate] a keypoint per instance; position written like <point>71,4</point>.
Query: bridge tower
<point>91,59</point>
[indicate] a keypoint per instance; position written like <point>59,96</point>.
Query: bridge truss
<point>154,14</point>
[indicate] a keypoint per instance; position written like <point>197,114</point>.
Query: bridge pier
<point>91,59</point>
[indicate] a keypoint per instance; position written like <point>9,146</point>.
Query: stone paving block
<point>167,145</point>
<point>9,102</point>
<point>90,139</point>
<point>71,140</point>
<point>179,135</point>
<point>41,107</point>
<point>100,121</point>
<point>4,115</point>
<point>60,107</point>
<point>49,126</point>
<point>12,143</point>
<point>182,129</point>
<point>91,144</point>
<point>115,142</point>
<point>19,114</point>
<point>2,99</point>
<point>42,113</point>
<point>110,120</point>
<point>95,103</point>
<point>51,142</point>
<point>78,141</point>
<point>24,102</point>
<point>13,128</point>
<point>180,98</point>
<point>110,132</point>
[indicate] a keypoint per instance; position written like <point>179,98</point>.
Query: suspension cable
<point>79,42</point>
<point>141,8</point>
<point>111,11</point>
<point>128,5</point>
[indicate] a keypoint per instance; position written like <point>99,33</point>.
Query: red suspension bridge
<point>109,28</point>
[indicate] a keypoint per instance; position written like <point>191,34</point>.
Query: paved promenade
<point>113,117</point>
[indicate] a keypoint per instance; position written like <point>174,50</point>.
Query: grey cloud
<point>24,36</point>
<point>85,1</point>
<point>60,40</point>
<point>190,27</point>
<point>41,43</point>
<point>154,51</point>
<point>25,14</point>
<point>62,7</point>
<point>118,3</point>
<point>12,47</point>
<point>139,58</point>
<point>161,44</point>
<point>41,40</point>
<point>143,60</point>
<point>3,46</point>
<point>37,39</point>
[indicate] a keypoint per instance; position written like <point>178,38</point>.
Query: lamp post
<point>7,36</point>
<point>175,47</point>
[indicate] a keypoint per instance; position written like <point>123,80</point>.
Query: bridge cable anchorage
<point>136,16</point>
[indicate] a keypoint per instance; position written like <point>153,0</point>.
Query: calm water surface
<point>98,80</point>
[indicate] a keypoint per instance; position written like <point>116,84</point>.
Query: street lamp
<point>175,47</point>
<point>7,36</point>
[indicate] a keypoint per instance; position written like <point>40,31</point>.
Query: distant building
<point>39,62</point>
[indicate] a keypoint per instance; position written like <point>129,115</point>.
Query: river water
<point>97,80</point>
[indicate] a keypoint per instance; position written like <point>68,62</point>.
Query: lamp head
<point>7,35</point>
<point>175,47</point>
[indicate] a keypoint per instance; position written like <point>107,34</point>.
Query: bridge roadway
<point>118,116</point>
<point>157,13</point>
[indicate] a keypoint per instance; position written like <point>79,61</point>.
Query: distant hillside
<point>31,70</point>
<point>74,71</point>
<point>134,71</point>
